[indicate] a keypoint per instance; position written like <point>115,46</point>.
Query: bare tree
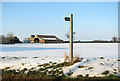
<point>114,39</point>
<point>9,35</point>
<point>68,35</point>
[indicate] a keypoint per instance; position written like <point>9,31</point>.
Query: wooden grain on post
<point>71,37</point>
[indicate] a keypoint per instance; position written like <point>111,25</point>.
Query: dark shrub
<point>101,57</point>
<point>70,73</point>
<point>80,76</point>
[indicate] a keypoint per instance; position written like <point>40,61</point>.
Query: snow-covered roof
<point>49,38</point>
<point>46,36</point>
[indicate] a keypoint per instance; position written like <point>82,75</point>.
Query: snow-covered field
<point>21,56</point>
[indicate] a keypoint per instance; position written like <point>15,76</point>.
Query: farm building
<point>44,39</point>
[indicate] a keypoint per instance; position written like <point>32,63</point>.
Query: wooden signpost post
<point>71,35</point>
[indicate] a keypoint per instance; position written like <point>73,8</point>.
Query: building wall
<point>41,41</point>
<point>53,41</point>
<point>31,40</point>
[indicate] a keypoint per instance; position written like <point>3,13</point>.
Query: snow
<point>49,38</point>
<point>97,70</point>
<point>82,49</point>
<point>45,53</point>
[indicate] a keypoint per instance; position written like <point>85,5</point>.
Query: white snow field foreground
<point>20,56</point>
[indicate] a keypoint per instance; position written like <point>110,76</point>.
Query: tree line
<point>114,39</point>
<point>9,39</point>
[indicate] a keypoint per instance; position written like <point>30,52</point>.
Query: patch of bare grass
<point>82,66</point>
<point>77,59</point>
<point>90,68</point>
<point>65,56</point>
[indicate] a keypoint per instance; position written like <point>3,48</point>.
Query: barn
<point>44,39</point>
